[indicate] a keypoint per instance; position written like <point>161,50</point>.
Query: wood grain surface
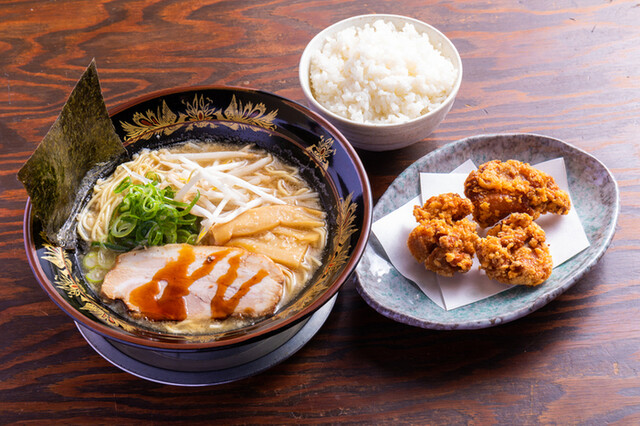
<point>566,69</point>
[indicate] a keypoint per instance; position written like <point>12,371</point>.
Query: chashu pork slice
<point>178,281</point>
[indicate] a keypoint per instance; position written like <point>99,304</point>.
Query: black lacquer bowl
<point>235,115</point>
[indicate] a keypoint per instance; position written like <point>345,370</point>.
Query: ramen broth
<point>254,199</point>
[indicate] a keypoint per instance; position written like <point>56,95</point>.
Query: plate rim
<point>501,318</point>
<point>105,348</point>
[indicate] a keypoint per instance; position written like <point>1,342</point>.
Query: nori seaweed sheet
<point>81,138</point>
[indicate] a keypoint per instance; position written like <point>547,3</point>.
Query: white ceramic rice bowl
<point>382,137</point>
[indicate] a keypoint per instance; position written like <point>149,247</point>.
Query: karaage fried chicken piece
<point>444,240</point>
<point>515,252</point>
<point>498,189</point>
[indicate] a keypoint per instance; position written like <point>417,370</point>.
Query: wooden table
<point>566,69</point>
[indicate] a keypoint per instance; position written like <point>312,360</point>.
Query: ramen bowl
<point>379,136</point>
<point>238,116</point>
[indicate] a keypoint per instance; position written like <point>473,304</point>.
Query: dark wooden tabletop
<point>566,69</point>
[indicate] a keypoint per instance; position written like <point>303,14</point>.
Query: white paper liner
<point>565,237</point>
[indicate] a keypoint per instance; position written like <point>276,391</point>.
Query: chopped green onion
<point>153,176</point>
<point>109,246</point>
<point>90,261</point>
<point>96,275</point>
<point>106,258</point>
<point>124,184</point>
<point>149,216</point>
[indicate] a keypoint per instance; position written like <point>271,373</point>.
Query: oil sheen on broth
<point>242,198</point>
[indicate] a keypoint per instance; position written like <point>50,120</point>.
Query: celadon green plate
<point>595,197</point>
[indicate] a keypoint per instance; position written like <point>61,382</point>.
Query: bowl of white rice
<point>385,81</point>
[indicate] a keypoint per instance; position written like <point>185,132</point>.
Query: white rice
<point>378,74</point>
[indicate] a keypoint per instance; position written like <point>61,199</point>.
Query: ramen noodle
<point>244,198</point>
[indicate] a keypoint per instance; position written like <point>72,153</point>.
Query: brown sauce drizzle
<point>221,308</point>
<point>171,305</point>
